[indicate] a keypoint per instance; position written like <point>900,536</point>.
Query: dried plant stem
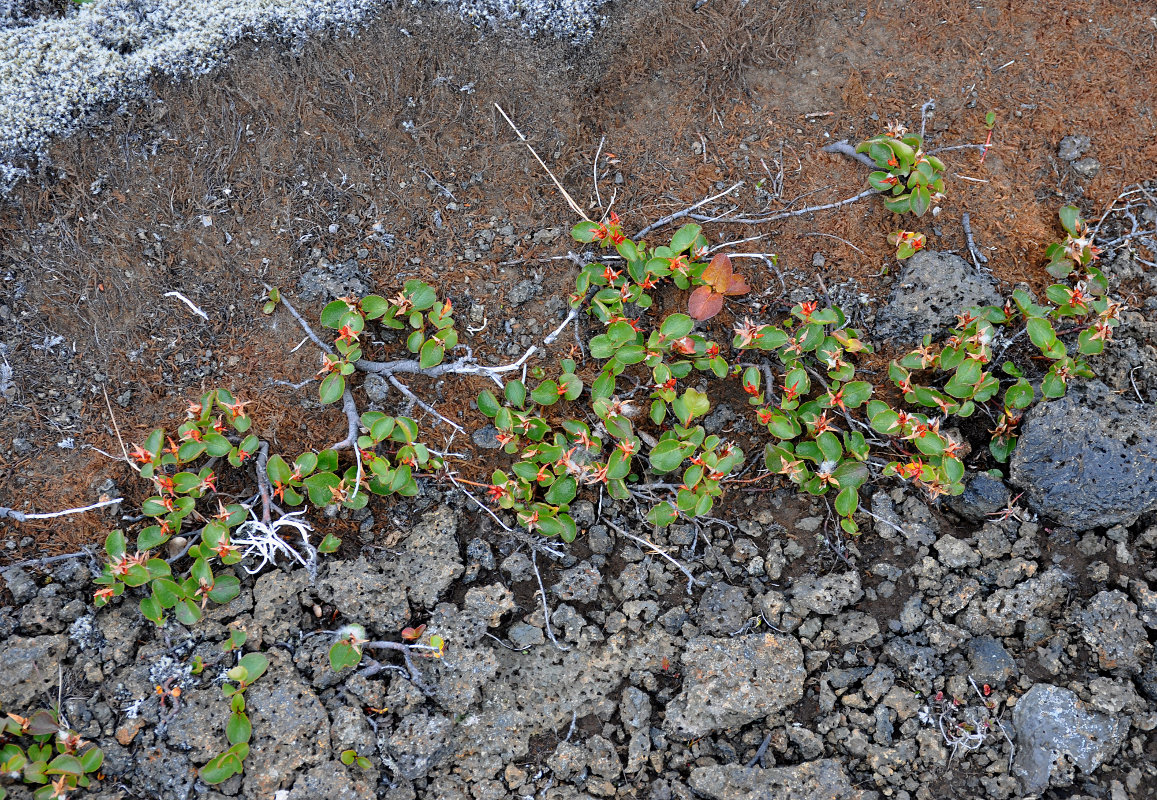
<point>660,551</point>
<point>545,607</point>
<point>20,516</point>
<point>401,387</point>
<point>843,148</point>
<point>786,214</point>
<point>575,207</point>
<point>685,212</point>
<point>414,675</point>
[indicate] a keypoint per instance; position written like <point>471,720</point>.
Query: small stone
<point>489,603</point>
<point>486,437</point>
<point>955,554</point>
<point>734,681</point>
<point>1110,626</point>
<point>376,387</point>
<point>828,594</point>
<point>1073,147</point>
<point>523,636</point>
<point>1051,722</point>
<point>1087,167</point>
<point>989,662</point>
<point>723,609</point>
<point>818,260</point>
<point>579,584</point>
<point>816,780</point>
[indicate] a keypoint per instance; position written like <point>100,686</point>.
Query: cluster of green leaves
<point>415,307</point>
<point>386,472</point>
<point>913,179</point>
<point>390,453</point>
<point>238,729</point>
<point>555,463</point>
<point>652,267</point>
<point>812,343</point>
<point>347,651</point>
<point>1083,305</point>
<point>38,751</point>
<point>351,757</point>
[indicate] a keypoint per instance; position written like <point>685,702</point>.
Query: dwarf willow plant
<point>238,728</point>
<point>912,179</point>
<point>40,751</point>
<point>1082,304</point>
<point>183,473</point>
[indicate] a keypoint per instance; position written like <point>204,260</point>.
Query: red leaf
<point>717,274</point>
<point>704,303</point>
<point>737,286</point>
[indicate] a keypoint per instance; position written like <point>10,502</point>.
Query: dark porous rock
<point>734,681</point>
<point>579,584</point>
<point>816,780</point>
<point>277,605</point>
<point>1086,460</point>
<point>1110,627</point>
<point>431,558</point>
<point>30,668</point>
<point>918,663</point>
<point>363,592</point>
<point>983,495</point>
<point>1055,731</point>
<point>333,781</point>
<point>290,728</point>
<point>723,609</point>
<point>931,290</point>
<point>419,744</point>
<point>989,662</point>
<point>826,595</point>
<point>22,586</point>
<point>328,281</point>
<point>1073,147</point>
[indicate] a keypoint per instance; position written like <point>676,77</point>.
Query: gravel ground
<point>55,72</point>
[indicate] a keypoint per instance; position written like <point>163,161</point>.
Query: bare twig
<point>787,214</point>
<point>117,428</point>
<point>685,212</point>
<point>401,387</point>
<point>40,562</point>
<point>843,148</point>
<point>189,303</point>
<point>545,607</point>
<point>263,481</point>
<point>691,580</point>
<point>924,109</point>
<point>759,753</point>
<point>978,258</point>
<point>304,325</point>
<point>833,236</point>
<point>352,422</point>
<point>404,649</point>
<point>595,171</point>
<point>20,516</point>
<point>575,207</point>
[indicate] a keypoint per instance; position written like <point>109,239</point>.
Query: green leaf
<point>238,729</point>
<point>65,764</point>
<point>920,201</point>
<point>91,759</point>
<point>667,455</point>
<point>277,470</point>
<point>220,769</point>
<point>1070,220</point>
<point>166,592</point>
<point>329,544</point>
<point>784,426</point>
<point>319,485</point>
<point>676,326</point>
<point>488,403</point>
<point>1041,332</point>
<point>847,501</point>
<point>431,354</point>
<point>331,388</point>
<point>114,544</point>
<point>225,588</point>
<point>685,237</point>
<point>333,312</point>
<point>830,446</point>
<point>421,294</point>
<point>515,392</point>
<point>1019,395</point>
<point>857,393</point>
<point>188,612</point>
<point>545,394</point>
<point>562,491</point>
<point>255,664</point>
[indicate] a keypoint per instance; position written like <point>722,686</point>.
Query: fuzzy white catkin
<point>55,72</point>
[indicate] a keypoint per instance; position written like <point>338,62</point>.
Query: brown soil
<point>280,146</point>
